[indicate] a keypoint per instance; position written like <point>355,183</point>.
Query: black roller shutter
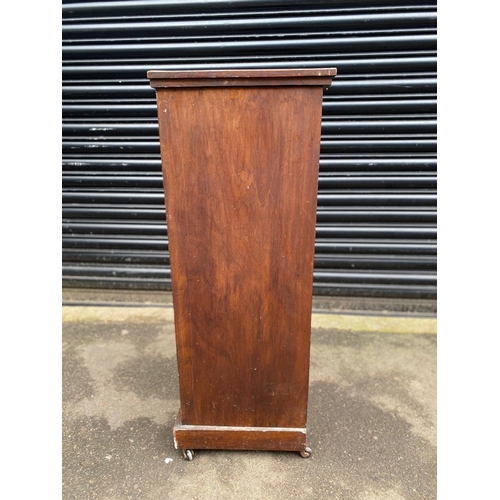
<point>376,219</point>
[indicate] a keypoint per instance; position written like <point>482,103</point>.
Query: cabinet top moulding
<point>242,77</point>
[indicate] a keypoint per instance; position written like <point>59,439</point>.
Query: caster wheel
<point>188,455</point>
<point>306,452</point>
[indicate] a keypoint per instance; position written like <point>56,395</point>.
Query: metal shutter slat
<point>376,217</point>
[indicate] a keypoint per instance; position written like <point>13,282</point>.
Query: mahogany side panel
<point>240,169</point>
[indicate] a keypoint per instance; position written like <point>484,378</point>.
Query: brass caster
<point>306,452</point>
<point>188,455</point>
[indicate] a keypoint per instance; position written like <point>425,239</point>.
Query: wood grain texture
<point>242,78</point>
<point>242,73</point>
<point>240,167</point>
<point>232,438</point>
<point>242,82</point>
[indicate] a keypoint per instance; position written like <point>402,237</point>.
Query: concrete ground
<point>371,415</point>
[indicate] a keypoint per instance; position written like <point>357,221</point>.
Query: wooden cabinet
<point>240,155</point>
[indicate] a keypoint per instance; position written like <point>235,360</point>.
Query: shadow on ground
<point>371,424</point>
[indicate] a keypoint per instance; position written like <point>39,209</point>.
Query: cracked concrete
<point>371,420</point>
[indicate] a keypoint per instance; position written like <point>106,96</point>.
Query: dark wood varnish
<point>240,167</point>
<point>221,74</point>
<point>238,438</point>
<point>241,78</point>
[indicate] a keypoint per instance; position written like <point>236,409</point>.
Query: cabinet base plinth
<point>213,437</point>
